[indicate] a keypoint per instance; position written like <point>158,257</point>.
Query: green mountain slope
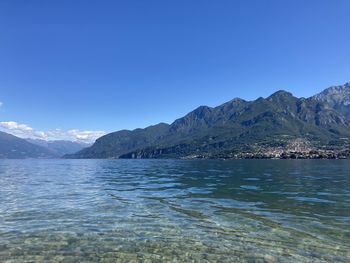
<point>114,144</point>
<point>234,126</point>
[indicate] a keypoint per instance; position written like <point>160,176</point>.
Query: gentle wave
<point>168,210</point>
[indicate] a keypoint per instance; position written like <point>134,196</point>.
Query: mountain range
<point>322,122</point>
<point>60,147</point>
<point>237,126</point>
<point>12,147</point>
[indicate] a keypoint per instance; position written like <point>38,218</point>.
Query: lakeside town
<point>294,149</point>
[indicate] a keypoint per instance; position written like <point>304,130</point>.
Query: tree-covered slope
<point>232,126</point>
<point>117,143</point>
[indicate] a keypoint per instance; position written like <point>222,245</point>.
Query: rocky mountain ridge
<point>235,127</point>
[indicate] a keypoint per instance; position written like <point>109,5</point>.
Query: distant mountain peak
<point>280,93</point>
<point>233,126</point>
<point>237,100</point>
<point>202,110</point>
<point>59,148</point>
<point>234,103</point>
<point>281,96</point>
<point>338,88</point>
<point>337,97</point>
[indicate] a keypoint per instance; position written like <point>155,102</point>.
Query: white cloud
<point>25,131</point>
<point>86,135</point>
<point>12,125</point>
<point>1,104</point>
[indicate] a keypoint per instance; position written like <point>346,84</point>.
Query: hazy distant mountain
<point>234,126</point>
<point>12,147</point>
<point>60,147</point>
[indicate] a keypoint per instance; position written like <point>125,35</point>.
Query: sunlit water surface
<point>174,211</point>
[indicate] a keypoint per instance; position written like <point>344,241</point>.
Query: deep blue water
<point>174,210</point>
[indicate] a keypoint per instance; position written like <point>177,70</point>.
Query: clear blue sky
<point>108,65</point>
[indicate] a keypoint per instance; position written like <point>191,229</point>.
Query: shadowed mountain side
<point>12,147</point>
<point>231,127</point>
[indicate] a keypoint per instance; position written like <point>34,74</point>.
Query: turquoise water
<point>174,211</point>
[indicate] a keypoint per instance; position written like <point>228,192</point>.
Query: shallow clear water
<point>174,211</point>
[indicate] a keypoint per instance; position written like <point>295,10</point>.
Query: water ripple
<point>167,210</point>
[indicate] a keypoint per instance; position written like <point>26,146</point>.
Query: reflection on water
<point>180,211</point>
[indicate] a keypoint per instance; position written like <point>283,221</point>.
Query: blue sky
<point>109,65</point>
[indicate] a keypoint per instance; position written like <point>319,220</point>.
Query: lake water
<point>174,211</point>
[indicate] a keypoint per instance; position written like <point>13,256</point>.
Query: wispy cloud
<point>1,104</point>
<point>25,131</point>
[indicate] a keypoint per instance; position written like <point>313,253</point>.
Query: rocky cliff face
<point>337,97</point>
